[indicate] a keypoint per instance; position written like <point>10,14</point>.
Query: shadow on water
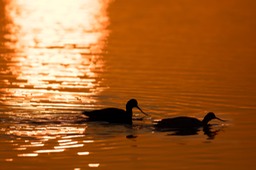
<point>211,131</point>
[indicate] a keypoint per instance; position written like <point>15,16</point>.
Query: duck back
<point>111,115</point>
<point>179,122</point>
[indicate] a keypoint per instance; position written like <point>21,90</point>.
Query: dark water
<point>174,57</point>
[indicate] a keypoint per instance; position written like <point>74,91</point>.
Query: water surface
<point>174,57</point>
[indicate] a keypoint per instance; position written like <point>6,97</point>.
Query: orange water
<point>174,57</point>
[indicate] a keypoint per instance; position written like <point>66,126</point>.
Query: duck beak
<point>142,111</point>
<point>220,119</point>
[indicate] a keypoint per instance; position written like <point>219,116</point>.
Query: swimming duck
<point>184,122</point>
<point>114,115</point>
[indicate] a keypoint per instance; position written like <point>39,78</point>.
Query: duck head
<point>133,103</point>
<point>209,117</point>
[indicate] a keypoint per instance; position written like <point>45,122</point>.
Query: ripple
<point>28,155</point>
<point>69,146</point>
<point>50,151</point>
<point>94,165</point>
<point>83,153</point>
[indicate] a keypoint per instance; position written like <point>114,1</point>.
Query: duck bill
<point>142,111</point>
<point>220,119</point>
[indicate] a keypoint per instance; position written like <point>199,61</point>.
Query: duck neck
<point>129,110</point>
<point>205,121</point>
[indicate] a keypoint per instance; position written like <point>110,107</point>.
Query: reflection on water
<point>56,53</point>
<point>45,139</point>
<point>209,131</point>
<point>51,56</point>
<point>175,57</point>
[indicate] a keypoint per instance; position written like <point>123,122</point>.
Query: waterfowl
<point>184,122</point>
<point>114,115</point>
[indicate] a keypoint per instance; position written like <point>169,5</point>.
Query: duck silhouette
<point>114,115</point>
<point>184,122</point>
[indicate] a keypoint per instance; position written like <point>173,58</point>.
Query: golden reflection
<point>68,143</point>
<point>32,145</point>
<point>49,151</point>
<point>83,153</point>
<point>72,136</point>
<point>94,165</point>
<point>20,149</point>
<point>88,141</point>
<point>9,160</point>
<point>47,133</point>
<point>64,140</point>
<point>58,53</point>
<point>69,146</point>
<point>28,155</point>
<point>46,139</point>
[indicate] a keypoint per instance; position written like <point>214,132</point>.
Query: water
<point>174,57</point>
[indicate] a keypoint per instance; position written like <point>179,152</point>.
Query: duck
<point>114,115</point>
<point>184,122</point>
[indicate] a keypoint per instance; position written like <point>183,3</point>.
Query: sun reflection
<point>53,62</point>
<point>51,132</point>
<point>68,143</point>
<point>32,145</point>
<point>88,141</point>
<point>28,155</point>
<point>9,160</point>
<point>49,151</point>
<point>69,146</point>
<point>83,153</point>
<point>46,139</point>
<point>58,55</point>
<point>20,149</point>
<point>94,165</point>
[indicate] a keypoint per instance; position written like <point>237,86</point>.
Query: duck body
<point>114,115</point>
<point>179,122</point>
<point>184,122</point>
<point>111,115</point>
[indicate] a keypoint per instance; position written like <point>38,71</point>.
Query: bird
<point>184,122</point>
<point>114,115</point>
